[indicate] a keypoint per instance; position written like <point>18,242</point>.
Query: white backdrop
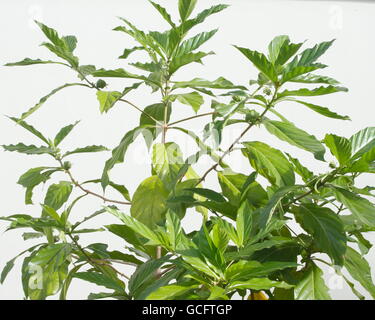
<point>246,23</point>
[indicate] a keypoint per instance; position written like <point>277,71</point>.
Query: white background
<point>246,23</point>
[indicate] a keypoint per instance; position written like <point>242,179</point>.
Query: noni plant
<point>264,234</point>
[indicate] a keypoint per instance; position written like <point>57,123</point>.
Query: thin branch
<point>193,117</point>
<point>87,191</point>
<point>140,110</point>
<point>230,149</point>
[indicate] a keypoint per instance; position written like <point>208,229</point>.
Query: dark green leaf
<point>326,228</point>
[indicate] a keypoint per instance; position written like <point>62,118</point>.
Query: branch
<point>77,184</point>
<point>193,117</point>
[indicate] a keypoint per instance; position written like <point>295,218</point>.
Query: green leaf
<point>339,147</point>
<point>34,177</point>
<point>362,142</point>
<point>311,55</point>
<point>88,149</point>
<point>10,264</point>
<point>298,71</point>
<point>170,292</point>
<point>301,170</point>
<point>100,280</point>
<point>312,286</point>
<point>281,50</point>
<point>366,163</point>
<point>31,150</point>
<point>313,78</point>
<point>107,99</point>
<point>275,46</point>
<point>118,154</point>
<point>362,209</point>
<point>149,201</point>
<point>30,128</point>
<point>201,17</point>
<point>144,276</point>
<point>323,111</point>
<point>58,194</point>
<point>164,13</point>
<point>359,269</point>
<point>167,161</point>
<point>127,52</point>
<point>207,193</point>
<point>61,135</point>
<point>267,212</point>
<point>243,270</point>
<point>180,61</point>
<point>173,228</point>
<point>195,42</point>
<point>63,47</point>
<point>185,8</point>
<point>311,93</point>
<point>286,131</point>
<point>219,83</point>
<point>258,284</point>
<point>270,163</point>
<point>52,256</point>
<point>193,99</point>
<point>326,228</point>
<point>134,225</point>
<point>121,73</point>
<point>45,98</point>
<point>261,62</point>
<point>28,62</point>
<point>244,223</point>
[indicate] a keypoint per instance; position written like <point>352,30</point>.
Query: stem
<point>229,150</point>
<point>76,183</point>
<point>140,110</point>
<point>193,117</point>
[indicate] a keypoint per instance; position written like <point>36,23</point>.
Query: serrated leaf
<point>28,62</point>
<point>261,62</point>
<point>323,111</point>
<point>127,52</point>
<point>326,228</point>
<point>286,131</point>
<point>88,149</point>
<point>195,42</point>
<point>45,98</point>
<point>219,83</point>
<point>118,154</point>
<point>30,150</point>
<point>311,93</point>
<point>164,13</point>
<point>201,17</point>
